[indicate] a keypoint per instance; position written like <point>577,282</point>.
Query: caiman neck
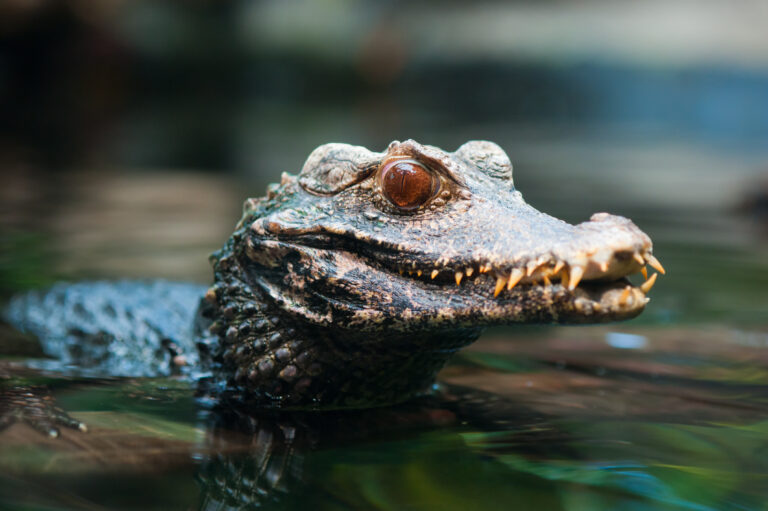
<point>267,356</point>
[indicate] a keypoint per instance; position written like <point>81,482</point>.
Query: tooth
<point>419,272</point>
<point>469,271</point>
<point>564,277</point>
<point>401,271</point>
<point>648,284</point>
<point>434,274</point>
<point>531,268</point>
<point>656,264</point>
<point>514,278</point>
<point>639,259</point>
<point>644,271</point>
<point>624,295</point>
<point>546,280</point>
<point>558,267</point>
<point>602,258</point>
<point>459,276</point>
<point>576,273</point>
<point>500,282</point>
<point>485,268</point>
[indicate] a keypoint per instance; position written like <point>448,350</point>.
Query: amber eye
<point>407,183</point>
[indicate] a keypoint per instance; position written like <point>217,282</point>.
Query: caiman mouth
<point>540,272</point>
<point>579,278</point>
<point>597,285</point>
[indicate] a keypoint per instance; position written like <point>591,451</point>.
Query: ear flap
<point>333,167</point>
<point>488,157</point>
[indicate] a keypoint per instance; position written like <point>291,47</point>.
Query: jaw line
<point>600,300</point>
<point>607,261</point>
<point>591,301</point>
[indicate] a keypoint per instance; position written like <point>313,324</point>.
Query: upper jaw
<point>606,248</point>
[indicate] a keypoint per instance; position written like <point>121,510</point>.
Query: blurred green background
<point>131,132</point>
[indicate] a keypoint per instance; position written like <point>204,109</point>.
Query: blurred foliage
<point>25,262</point>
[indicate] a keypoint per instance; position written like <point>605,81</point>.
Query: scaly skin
<point>329,295</point>
<point>334,293</point>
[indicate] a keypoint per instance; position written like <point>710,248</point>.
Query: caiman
<point>351,284</point>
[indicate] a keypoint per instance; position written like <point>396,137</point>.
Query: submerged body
<point>351,284</point>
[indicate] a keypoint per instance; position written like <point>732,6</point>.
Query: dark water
<point>652,418</point>
<point>668,411</point>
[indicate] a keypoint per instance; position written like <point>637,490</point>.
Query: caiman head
<point>382,264</point>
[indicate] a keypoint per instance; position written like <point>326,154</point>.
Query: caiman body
<point>351,284</point>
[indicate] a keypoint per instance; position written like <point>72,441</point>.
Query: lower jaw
<point>589,302</point>
<point>601,302</point>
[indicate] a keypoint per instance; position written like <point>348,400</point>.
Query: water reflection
<point>259,459</point>
<point>557,419</point>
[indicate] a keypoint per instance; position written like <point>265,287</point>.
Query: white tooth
<point>514,278</point>
<point>501,281</point>
<point>576,273</point>
<point>648,284</point>
<point>656,264</point>
<point>603,255</point>
<point>625,295</point>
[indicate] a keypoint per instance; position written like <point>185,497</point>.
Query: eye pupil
<point>407,184</point>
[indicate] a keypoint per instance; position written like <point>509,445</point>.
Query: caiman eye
<point>407,183</point>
